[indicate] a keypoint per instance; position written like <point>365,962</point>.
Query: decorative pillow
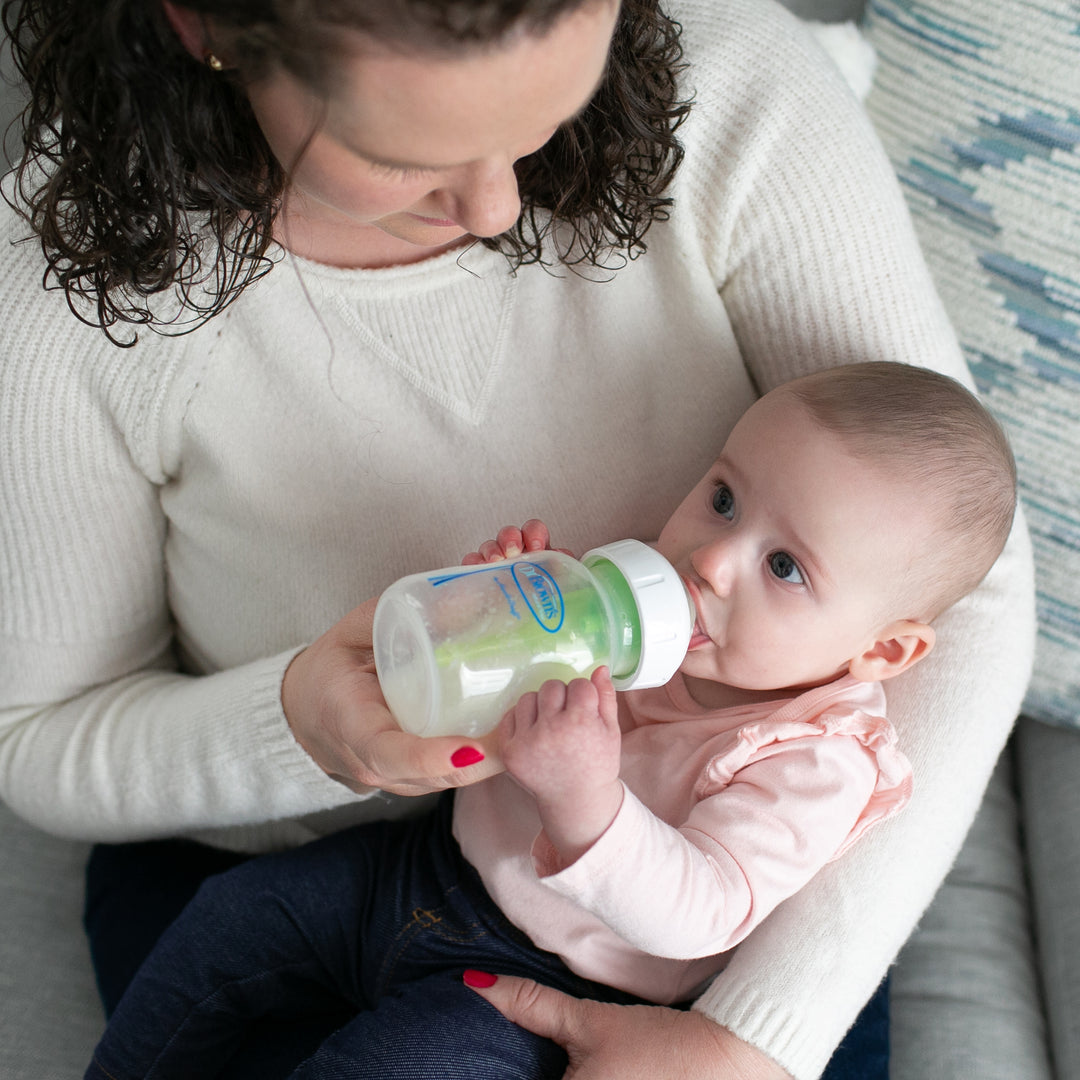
<point>849,51</point>
<point>978,104</point>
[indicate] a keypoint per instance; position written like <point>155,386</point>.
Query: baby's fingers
<point>608,701</point>
<point>580,697</point>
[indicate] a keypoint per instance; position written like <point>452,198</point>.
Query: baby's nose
<point>716,562</point>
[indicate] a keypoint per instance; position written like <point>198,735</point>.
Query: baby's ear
<point>900,645</point>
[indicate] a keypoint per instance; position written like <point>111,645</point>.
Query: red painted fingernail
<point>479,979</point>
<point>467,755</point>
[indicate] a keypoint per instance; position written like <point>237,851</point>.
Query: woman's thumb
<point>542,1010</point>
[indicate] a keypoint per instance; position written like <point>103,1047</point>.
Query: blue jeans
<point>349,955</point>
<point>372,926</point>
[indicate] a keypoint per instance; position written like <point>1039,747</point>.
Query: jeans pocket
<point>433,938</point>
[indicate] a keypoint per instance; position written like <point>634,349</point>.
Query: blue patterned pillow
<point>978,104</point>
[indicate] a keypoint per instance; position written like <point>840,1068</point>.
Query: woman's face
<point>411,152</point>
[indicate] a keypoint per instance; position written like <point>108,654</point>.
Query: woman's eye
<point>785,568</point>
<point>723,501</point>
<point>398,172</point>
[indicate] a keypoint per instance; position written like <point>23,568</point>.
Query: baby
<point>635,838</point>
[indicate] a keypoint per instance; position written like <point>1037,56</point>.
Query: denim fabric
<point>379,920</point>
<point>351,951</point>
<point>133,892</point>
<point>864,1053</point>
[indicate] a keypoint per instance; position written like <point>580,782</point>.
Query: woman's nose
<point>716,563</point>
<point>485,200</point>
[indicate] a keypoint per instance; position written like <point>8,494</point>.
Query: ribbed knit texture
<point>177,519</point>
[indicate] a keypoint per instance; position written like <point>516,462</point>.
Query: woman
<point>404,269</point>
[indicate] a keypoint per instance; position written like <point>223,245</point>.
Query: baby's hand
<point>562,744</point>
<point>510,542</point>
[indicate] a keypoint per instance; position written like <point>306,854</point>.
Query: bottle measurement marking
<point>537,587</point>
<point>509,599</point>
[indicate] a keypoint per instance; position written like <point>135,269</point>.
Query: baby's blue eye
<point>723,501</point>
<point>785,568</point>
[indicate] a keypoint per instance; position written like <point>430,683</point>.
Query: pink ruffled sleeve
<point>782,800</point>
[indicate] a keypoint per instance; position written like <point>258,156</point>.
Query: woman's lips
<point>442,223</point>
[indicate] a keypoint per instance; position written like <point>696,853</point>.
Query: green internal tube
<point>599,625</point>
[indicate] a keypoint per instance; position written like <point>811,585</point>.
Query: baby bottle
<point>456,648</point>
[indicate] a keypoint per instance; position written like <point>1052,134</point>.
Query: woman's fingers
<point>333,703</point>
<point>446,761</point>
<point>630,1042</point>
<point>404,764</point>
<point>548,1013</point>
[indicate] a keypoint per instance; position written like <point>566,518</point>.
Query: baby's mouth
<point>698,637</point>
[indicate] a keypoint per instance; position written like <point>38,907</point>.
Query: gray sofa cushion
<point>1048,770</point>
<point>966,1000</point>
<point>50,1018</point>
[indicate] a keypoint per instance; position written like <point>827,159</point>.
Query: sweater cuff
<point>247,704</point>
<point>281,746</point>
<point>780,1034</point>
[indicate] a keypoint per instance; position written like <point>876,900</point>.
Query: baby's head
<point>847,510</point>
<point>926,430</point>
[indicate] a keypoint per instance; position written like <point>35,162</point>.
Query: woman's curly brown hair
<point>143,171</point>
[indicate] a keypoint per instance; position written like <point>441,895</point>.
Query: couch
<point>978,104</point>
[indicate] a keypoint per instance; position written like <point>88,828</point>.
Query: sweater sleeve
<point>817,263</point>
<point>101,737</point>
<point>798,208</point>
<point>740,852</point>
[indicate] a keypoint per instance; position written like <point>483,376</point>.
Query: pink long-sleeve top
<point>725,814</point>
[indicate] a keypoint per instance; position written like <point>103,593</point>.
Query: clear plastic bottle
<point>456,648</point>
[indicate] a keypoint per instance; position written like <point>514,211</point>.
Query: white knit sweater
<point>177,519</point>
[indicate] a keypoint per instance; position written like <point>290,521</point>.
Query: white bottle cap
<point>664,607</point>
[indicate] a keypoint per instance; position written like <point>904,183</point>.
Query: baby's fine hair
<point>930,431</point>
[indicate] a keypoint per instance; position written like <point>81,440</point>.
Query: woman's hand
<point>627,1042</point>
<point>337,713</point>
<point>510,542</point>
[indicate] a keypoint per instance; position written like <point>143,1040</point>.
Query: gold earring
<point>213,63</point>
